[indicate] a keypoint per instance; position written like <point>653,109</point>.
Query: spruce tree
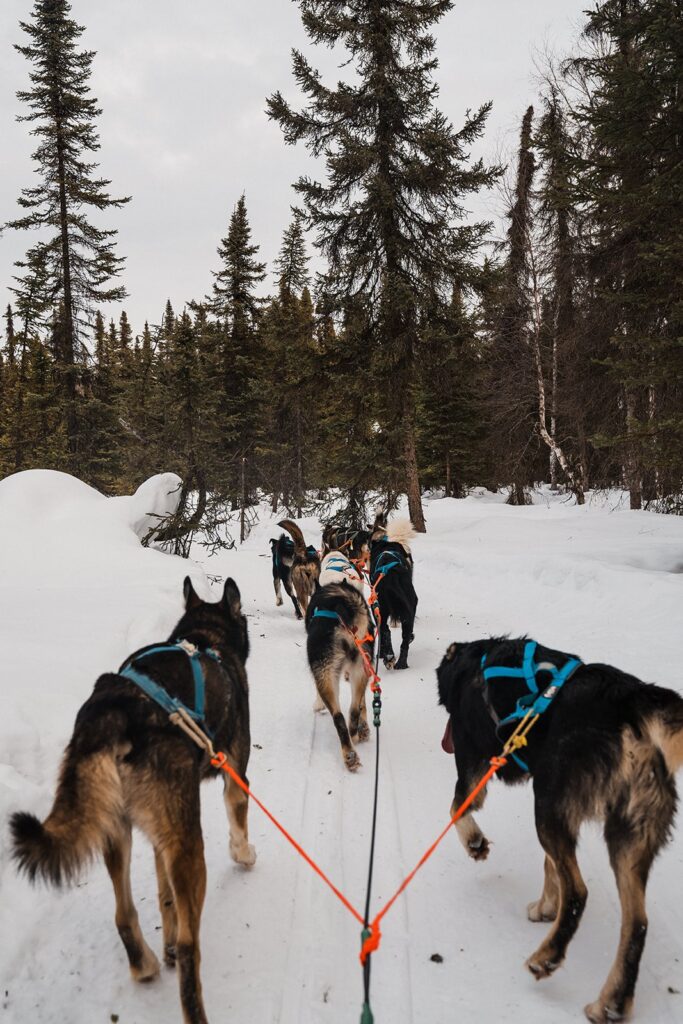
<point>76,262</point>
<point>236,307</point>
<point>397,175</point>
<point>632,184</point>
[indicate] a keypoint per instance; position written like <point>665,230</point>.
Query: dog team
<point>606,747</point>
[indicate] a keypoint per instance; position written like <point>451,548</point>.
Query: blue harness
<point>535,701</point>
<point>325,613</point>
<point>340,563</point>
<point>159,694</point>
<point>311,551</point>
<point>387,561</point>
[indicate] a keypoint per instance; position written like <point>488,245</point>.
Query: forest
<point>427,355</point>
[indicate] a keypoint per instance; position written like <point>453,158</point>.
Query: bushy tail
<point>297,536</point>
<point>401,531</point>
<point>88,811</point>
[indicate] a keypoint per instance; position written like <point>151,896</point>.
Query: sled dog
<point>607,747</point>
<point>127,765</point>
<point>391,573</point>
<point>334,613</point>
<point>304,569</point>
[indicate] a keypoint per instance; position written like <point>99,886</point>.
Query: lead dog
<point>607,747</point>
<point>126,765</point>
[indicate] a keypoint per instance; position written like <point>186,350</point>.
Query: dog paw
<point>539,910</point>
<point>245,854</point>
<point>401,663</point>
<point>363,732</point>
<point>389,662</point>
<point>149,968</point>
<point>352,761</point>
<point>169,955</point>
<point>318,704</point>
<point>541,966</point>
<point>601,1012</point>
<point>278,602</point>
<point>479,848</point>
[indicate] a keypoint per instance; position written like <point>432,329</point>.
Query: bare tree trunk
<point>299,463</point>
<point>243,505</point>
<point>575,479</point>
<point>413,480</point>
<point>448,475</point>
<point>633,479</point>
<point>553,415</point>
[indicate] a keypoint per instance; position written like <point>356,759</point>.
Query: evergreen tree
<point>236,307</point>
<point>76,265</point>
<point>632,184</point>
<point>397,173</point>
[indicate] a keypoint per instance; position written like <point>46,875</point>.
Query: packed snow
<point>79,593</point>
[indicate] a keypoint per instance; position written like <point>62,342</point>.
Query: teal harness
<point>386,561</point>
<point>159,694</point>
<point>536,701</point>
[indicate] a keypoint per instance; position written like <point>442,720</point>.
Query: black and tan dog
<point>127,765</point>
<point>606,748</point>
<point>298,570</point>
<point>336,612</point>
<point>391,574</point>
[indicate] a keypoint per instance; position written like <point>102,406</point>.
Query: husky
<point>391,574</point>
<point>607,747</point>
<point>282,551</point>
<point>127,765</point>
<point>338,612</point>
<point>303,570</point>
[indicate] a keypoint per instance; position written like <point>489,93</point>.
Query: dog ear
<point>451,652</point>
<point>191,599</point>
<point>231,597</point>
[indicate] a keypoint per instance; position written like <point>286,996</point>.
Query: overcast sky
<point>183,129</point>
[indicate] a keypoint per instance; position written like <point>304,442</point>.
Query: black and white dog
<point>391,574</point>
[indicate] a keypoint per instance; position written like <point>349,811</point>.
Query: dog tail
<point>297,536</point>
<point>401,531</point>
<point>87,813</point>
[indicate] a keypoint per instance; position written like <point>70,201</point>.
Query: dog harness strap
<point>534,702</point>
<point>161,696</point>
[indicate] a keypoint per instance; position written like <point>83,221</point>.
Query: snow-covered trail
<point>277,946</point>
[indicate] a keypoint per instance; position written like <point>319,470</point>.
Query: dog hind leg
<point>385,646</point>
<point>184,863</point>
<point>277,586</point>
<point>327,681</point>
<point>169,921</point>
<point>144,965</point>
<point>358,713</point>
<point>407,637</point>
<point>631,851</point>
